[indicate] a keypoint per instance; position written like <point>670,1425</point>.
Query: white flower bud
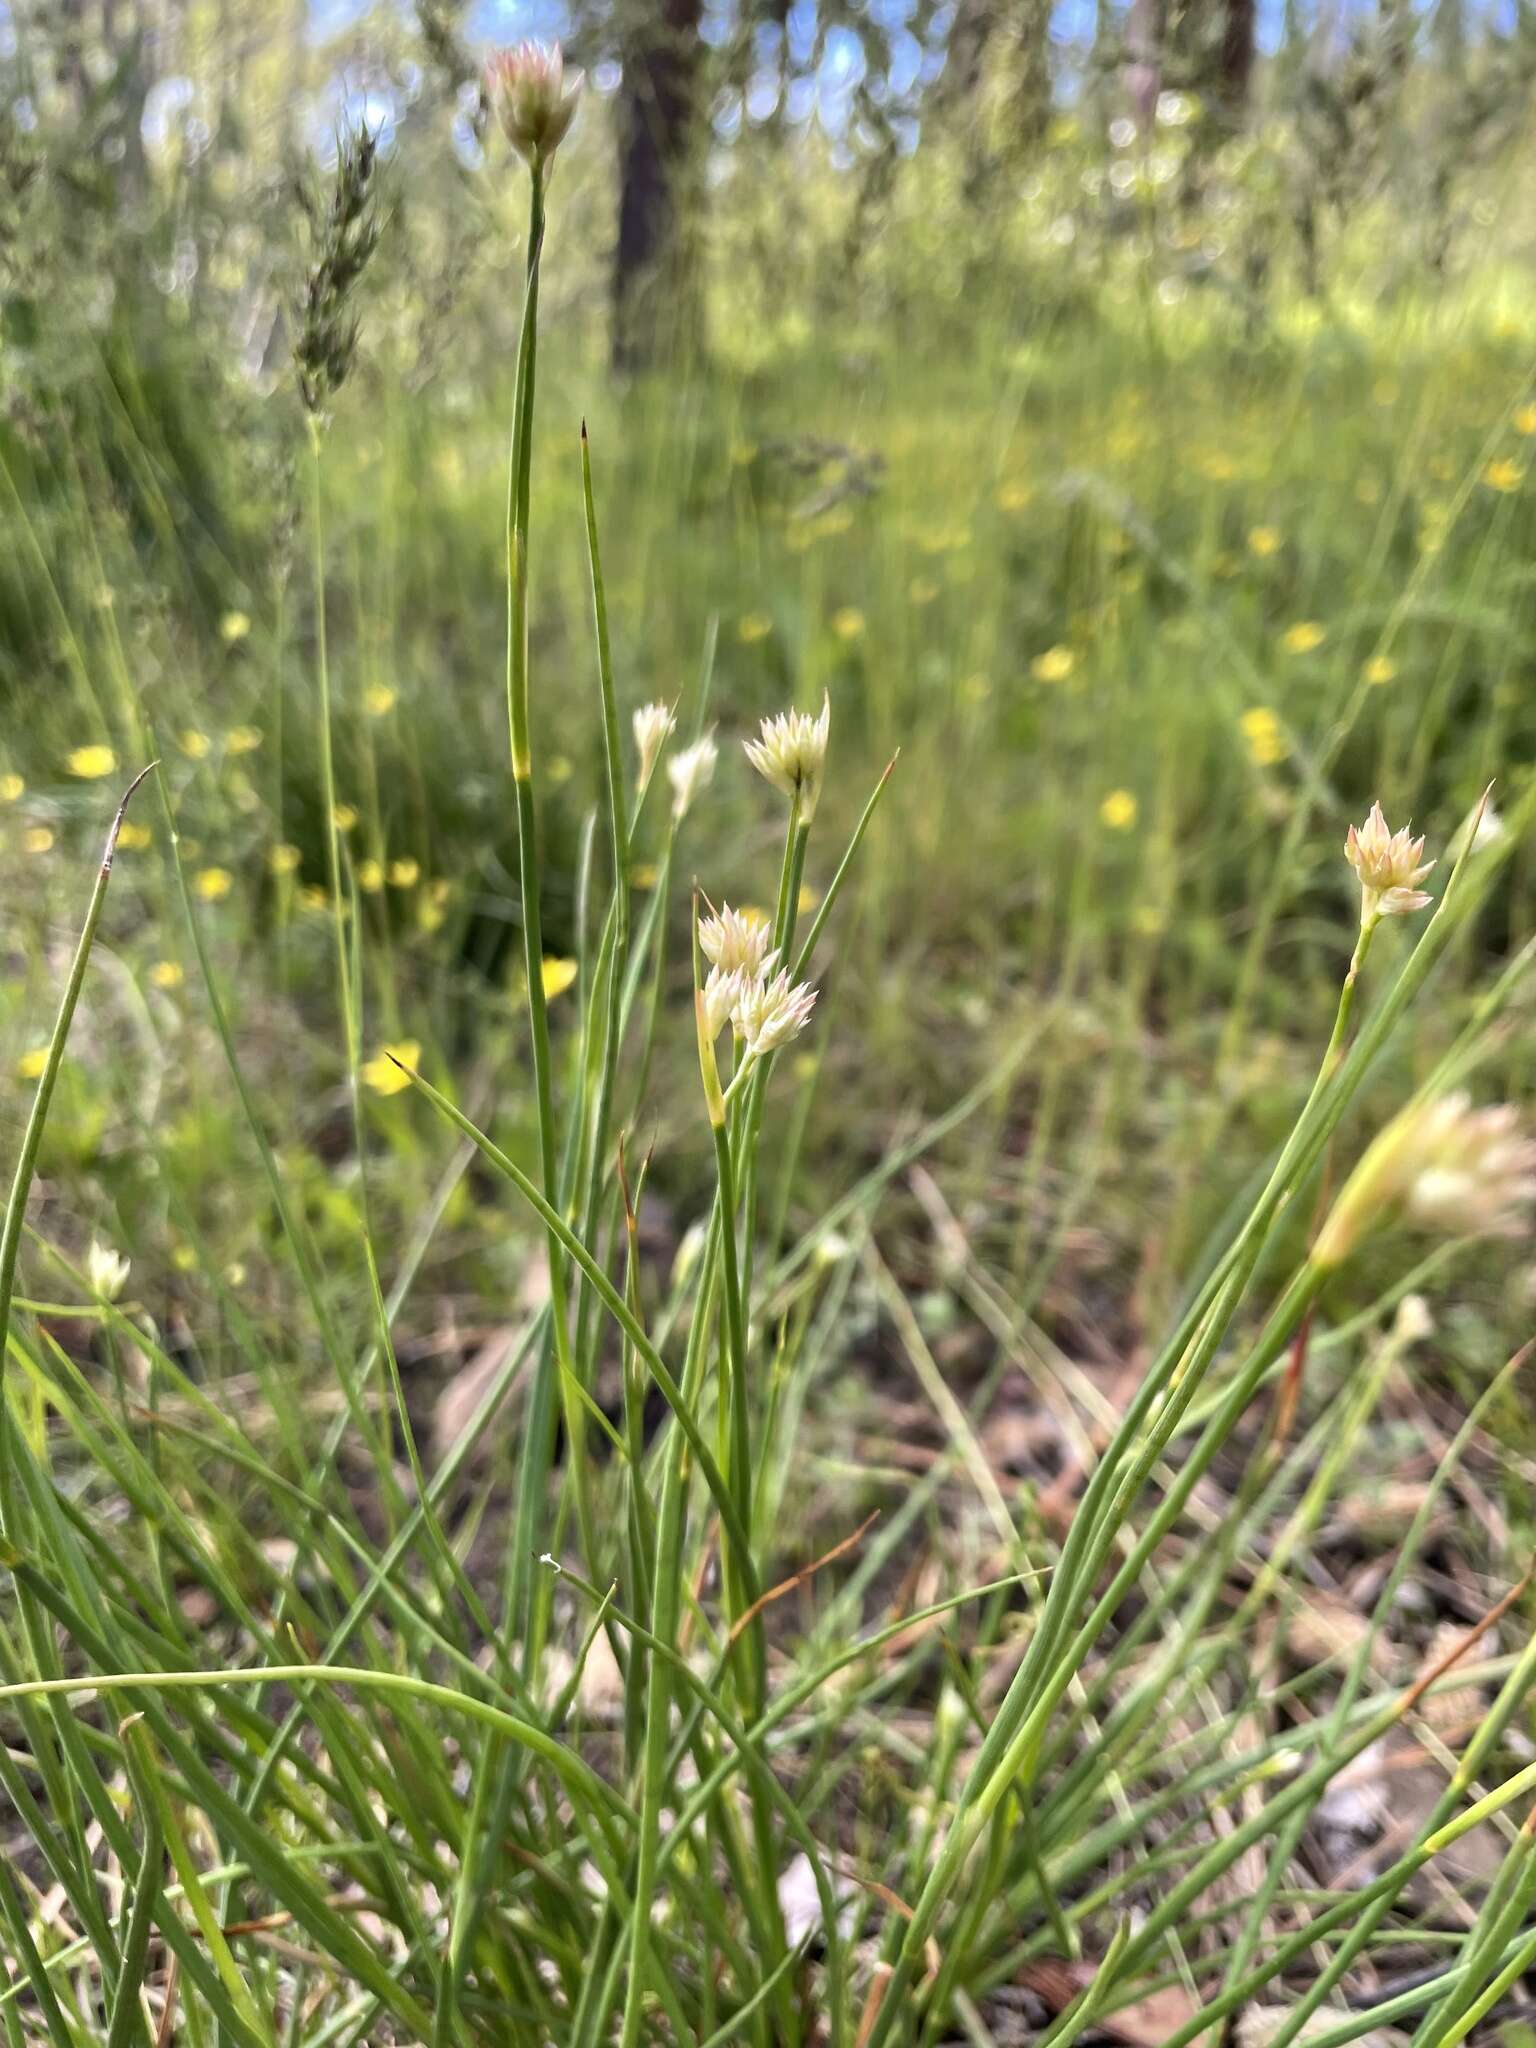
<point>107,1270</point>
<point>689,772</point>
<point>654,725</point>
<point>533,99</point>
<point>1388,866</point>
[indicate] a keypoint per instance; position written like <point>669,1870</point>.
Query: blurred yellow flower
<point>848,623</point>
<point>1054,666</point>
<point>558,769</point>
<point>37,839</point>
<point>243,739</point>
<point>556,976</point>
<point>808,899</point>
<point>314,898</point>
<point>91,763</point>
<point>404,874</point>
<point>344,817</point>
<point>1264,540</point>
<point>132,838</point>
<point>32,1063</point>
<point>1013,497</point>
<point>922,590</point>
<point>1304,636</point>
<point>235,1274</point>
<point>11,787</point>
<point>644,875</point>
<point>194,744</point>
<point>755,626</point>
<point>1149,920</point>
<point>381,1073</point>
<point>1118,810</point>
<point>1218,466</point>
<point>1381,668</point>
<point>284,859</point>
<point>743,452</point>
<point>212,884</point>
<point>370,876</point>
<point>1265,736</point>
<point>1524,420</point>
<point>166,974</point>
<point>1503,475</point>
<point>234,626</point>
<point>184,1258</point>
<point>379,699</point>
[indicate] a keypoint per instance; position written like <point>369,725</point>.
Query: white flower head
<point>723,992</point>
<point>1388,866</point>
<point>1444,1166</point>
<point>654,725</point>
<point>738,939</point>
<point>689,772</point>
<point>770,1013</point>
<point>533,99</point>
<point>107,1270</point>
<point>791,753</point>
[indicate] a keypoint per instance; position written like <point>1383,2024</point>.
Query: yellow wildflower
<point>1304,636</point>
<point>234,626</point>
<point>848,623</point>
<point>1118,810</point>
<point>11,787</point>
<point>1265,736</point>
<point>808,899</point>
<point>344,817</point>
<point>644,875</point>
<point>166,974</point>
<point>91,763</point>
<point>132,838</point>
<point>404,874</point>
<point>379,700</point>
<point>184,1258</point>
<point>755,626</point>
<point>922,590</point>
<point>1524,421</point>
<point>556,976</point>
<point>1503,475</point>
<point>1054,666</point>
<point>37,839</point>
<point>213,884</point>
<point>243,739</point>
<point>370,876</point>
<point>1264,540</point>
<point>284,859</point>
<point>1381,668</point>
<point>381,1072</point>
<point>32,1063</point>
<point>194,744</point>
<point>1013,497</point>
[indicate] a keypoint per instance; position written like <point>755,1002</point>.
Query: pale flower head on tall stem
<point>533,98</point>
<point>689,772</point>
<point>106,1269</point>
<point>654,725</point>
<point>770,1013</point>
<point>791,753</point>
<point>738,939</point>
<point>1441,1165</point>
<point>1389,868</point>
<point>723,991</point>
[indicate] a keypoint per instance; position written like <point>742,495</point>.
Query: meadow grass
<point>606,1711</point>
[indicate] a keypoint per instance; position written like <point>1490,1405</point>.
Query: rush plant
<point>314,1737</point>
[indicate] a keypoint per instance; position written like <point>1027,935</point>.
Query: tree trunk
<point>655,278</point>
<point>1234,59</point>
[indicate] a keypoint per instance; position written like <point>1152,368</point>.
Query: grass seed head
<point>791,753</point>
<point>1388,866</point>
<point>533,98</point>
